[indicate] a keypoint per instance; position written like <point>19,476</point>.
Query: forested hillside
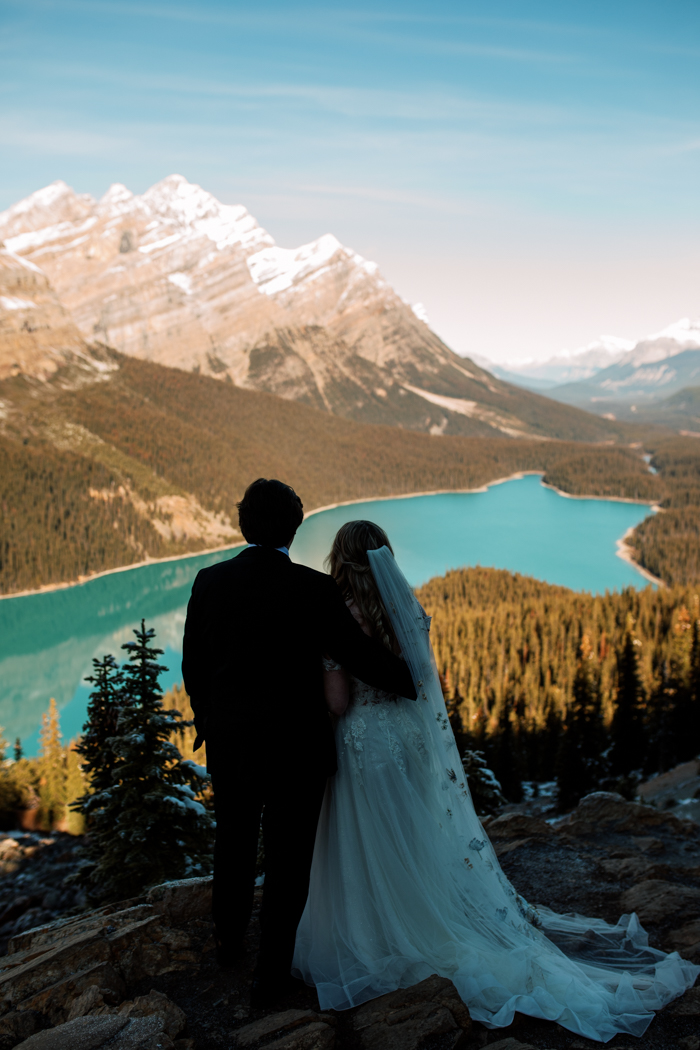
<point>151,461</point>
<point>668,545</point>
<point>510,651</point>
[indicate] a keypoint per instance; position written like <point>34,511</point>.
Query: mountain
<point>680,411</point>
<point>177,278</point>
<point>566,367</point>
<point>656,367</point>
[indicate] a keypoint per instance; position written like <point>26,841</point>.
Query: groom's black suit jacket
<point>257,628</point>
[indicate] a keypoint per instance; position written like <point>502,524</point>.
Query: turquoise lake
<point>47,641</point>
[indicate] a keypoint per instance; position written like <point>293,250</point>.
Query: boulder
<point>183,899</point>
<point>686,940</point>
<point>57,963</point>
<point>91,1033</point>
<point>295,1030</point>
<point>518,825</point>
<point>155,1004</point>
<point>657,901</point>
<point>606,811</point>
<point>316,1036</point>
<point>110,918</point>
<point>55,1001</point>
<point>85,1033</point>
<point>404,1019</point>
<point>634,868</point>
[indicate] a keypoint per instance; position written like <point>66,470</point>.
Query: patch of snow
<point>10,302</point>
<point>453,404</point>
<point>199,771</point>
<point>187,803</point>
<point>420,312</point>
<point>25,263</point>
<point>186,204</point>
<point>117,194</point>
<point>42,198</point>
<point>275,270</point>
<point>35,238</point>
<point>162,243</point>
<point>683,331</point>
<point>182,281</point>
<point>61,247</point>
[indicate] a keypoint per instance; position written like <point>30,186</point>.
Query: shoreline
<point>624,551</point>
<point>622,546</point>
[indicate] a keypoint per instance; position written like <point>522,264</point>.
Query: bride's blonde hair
<point>349,566</point>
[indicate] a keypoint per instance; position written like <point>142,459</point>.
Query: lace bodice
<point>362,694</point>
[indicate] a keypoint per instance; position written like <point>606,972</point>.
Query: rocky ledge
<point>142,974</point>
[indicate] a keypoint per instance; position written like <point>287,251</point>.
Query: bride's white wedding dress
<point>405,883</point>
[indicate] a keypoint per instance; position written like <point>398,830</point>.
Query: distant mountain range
<point>566,367</point>
<point>623,380</point>
<point>175,277</point>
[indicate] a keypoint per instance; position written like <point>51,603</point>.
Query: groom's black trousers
<point>292,802</point>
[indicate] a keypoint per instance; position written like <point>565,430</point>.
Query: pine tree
<point>505,754</point>
<point>484,788</point>
<point>627,729</point>
<point>684,730</point>
<point>147,826</point>
<point>52,777</point>
<point>94,747</point>
<point>580,762</point>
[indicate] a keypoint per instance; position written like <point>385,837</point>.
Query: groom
<point>257,628</point>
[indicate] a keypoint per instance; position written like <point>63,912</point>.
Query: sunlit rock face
<point>176,277</point>
<point>37,335</point>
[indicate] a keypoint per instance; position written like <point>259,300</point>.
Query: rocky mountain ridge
<point>176,277</point>
<point>655,368</point>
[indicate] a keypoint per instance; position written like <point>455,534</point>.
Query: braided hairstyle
<point>349,566</point>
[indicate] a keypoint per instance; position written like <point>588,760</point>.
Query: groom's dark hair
<point>270,513</point>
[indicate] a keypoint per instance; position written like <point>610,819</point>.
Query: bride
<point>405,882</point>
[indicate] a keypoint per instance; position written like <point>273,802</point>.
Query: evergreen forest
<point>90,470</point>
<point>551,683</point>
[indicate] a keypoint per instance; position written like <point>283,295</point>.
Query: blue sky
<point>529,171</point>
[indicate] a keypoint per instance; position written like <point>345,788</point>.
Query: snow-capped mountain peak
<point>52,204</point>
<point>115,199</point>
<point>275,270</point>
<point>670,341</point>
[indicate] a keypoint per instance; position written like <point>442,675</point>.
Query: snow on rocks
<point>275,270</point>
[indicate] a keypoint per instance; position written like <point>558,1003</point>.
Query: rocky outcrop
<point>76,966</point>
<point>37,334</point>
<point>143,973</point>
<point>289,1030</point>
<point>35,879</point>
<point>405,1019</point>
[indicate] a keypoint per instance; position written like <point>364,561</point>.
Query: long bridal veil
<point>502,954</point>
